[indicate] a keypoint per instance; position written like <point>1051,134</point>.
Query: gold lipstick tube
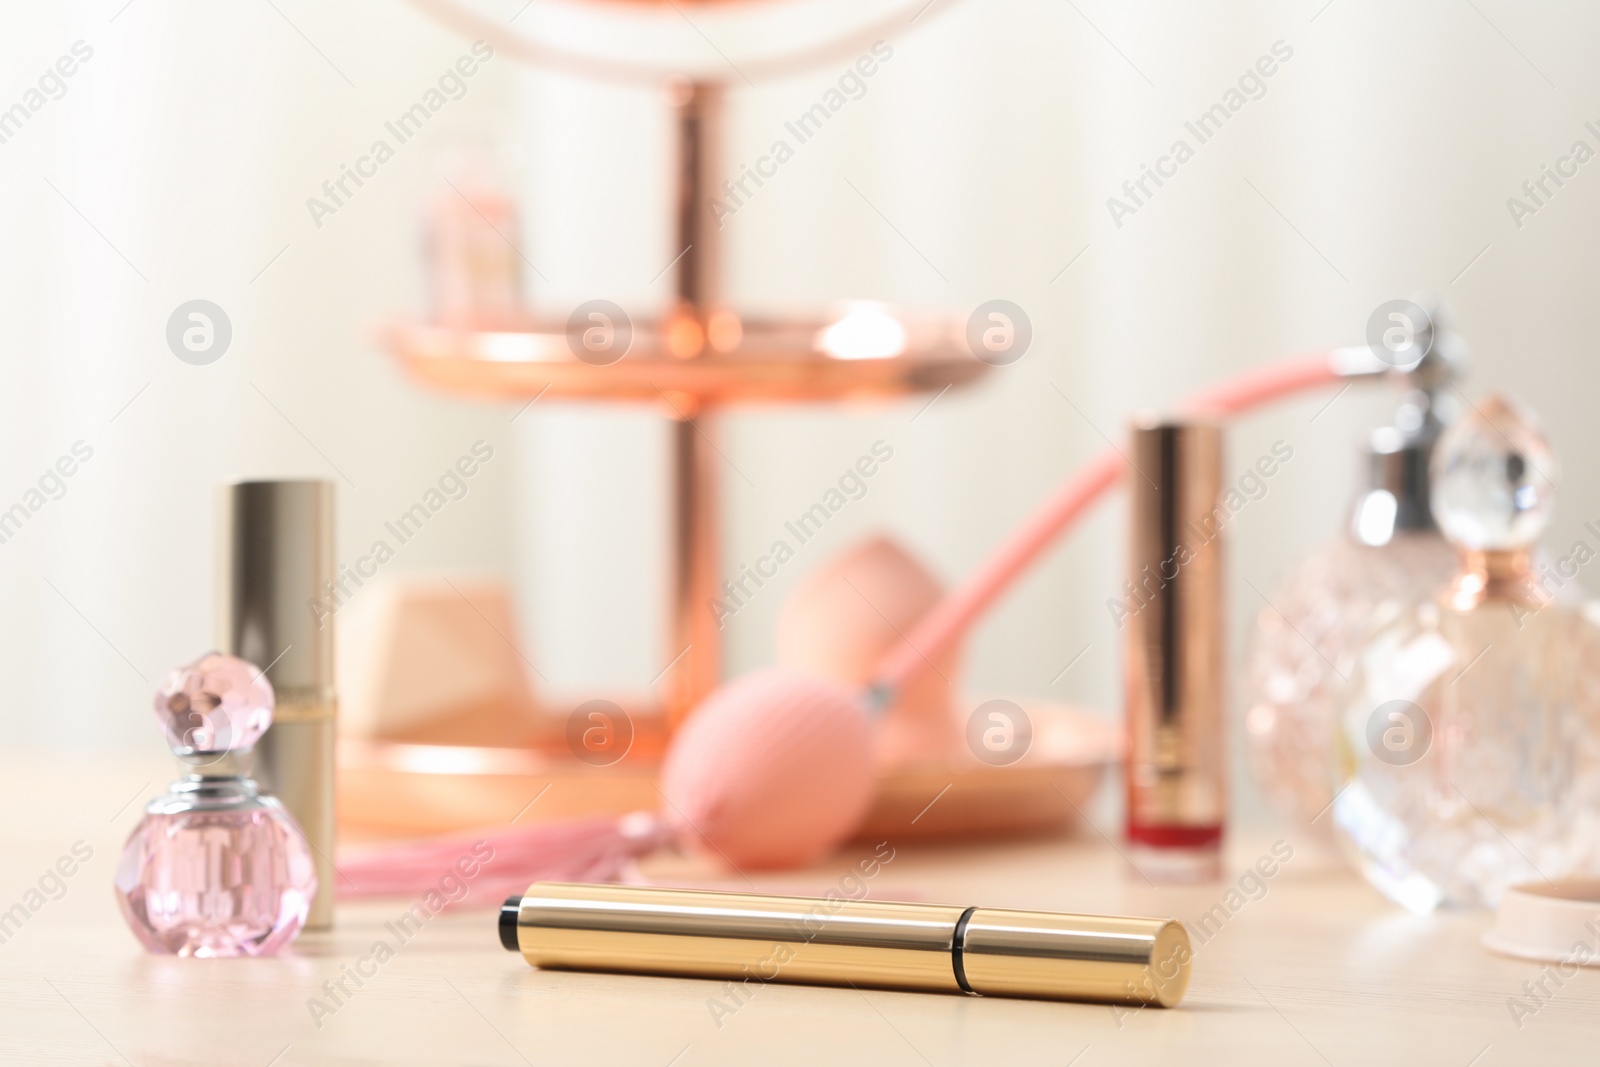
<point>934,948</point>
<point>1173,627</point>
<point>276,557</point>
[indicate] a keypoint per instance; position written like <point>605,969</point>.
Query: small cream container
<point>1552,922</point>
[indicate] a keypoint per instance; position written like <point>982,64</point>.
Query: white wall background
<point>1378,163</point>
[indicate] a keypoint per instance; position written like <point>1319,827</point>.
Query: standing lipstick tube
<point>276,557</point>
<point>930,948</point>
<point>1173,652</point>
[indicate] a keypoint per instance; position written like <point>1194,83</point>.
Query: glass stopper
<point>218,703</point>
<point>1494,475</point>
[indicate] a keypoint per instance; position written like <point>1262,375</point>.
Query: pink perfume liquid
<point>216,883</point>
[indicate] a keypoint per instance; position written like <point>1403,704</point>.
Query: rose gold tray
<point>773,361</point>
<point>406,790</point>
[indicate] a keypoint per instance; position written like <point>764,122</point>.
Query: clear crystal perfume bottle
<point>1390,558</point>
<point>215,868</point>
<point>1467,736</point>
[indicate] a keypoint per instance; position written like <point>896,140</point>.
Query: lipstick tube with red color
<point>1173,624</point>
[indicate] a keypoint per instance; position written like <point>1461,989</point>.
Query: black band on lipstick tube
<point>508,923</point>
<point>958,947</point>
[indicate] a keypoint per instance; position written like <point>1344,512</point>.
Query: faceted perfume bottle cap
<point>216,704</point>
<point>1494,477</point>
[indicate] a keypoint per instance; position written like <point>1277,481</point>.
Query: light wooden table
<point>1317,969</point>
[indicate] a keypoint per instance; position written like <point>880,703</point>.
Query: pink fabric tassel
<point>502,862</point>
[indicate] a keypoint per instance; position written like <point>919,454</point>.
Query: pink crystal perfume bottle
<point>1468,733</point>
<point>215,868</point>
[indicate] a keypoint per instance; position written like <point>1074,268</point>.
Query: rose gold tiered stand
<point>695,358</point>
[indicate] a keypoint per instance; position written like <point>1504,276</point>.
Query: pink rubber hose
<point>953,615</point>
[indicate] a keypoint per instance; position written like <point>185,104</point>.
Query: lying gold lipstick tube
<point>934,948</point>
